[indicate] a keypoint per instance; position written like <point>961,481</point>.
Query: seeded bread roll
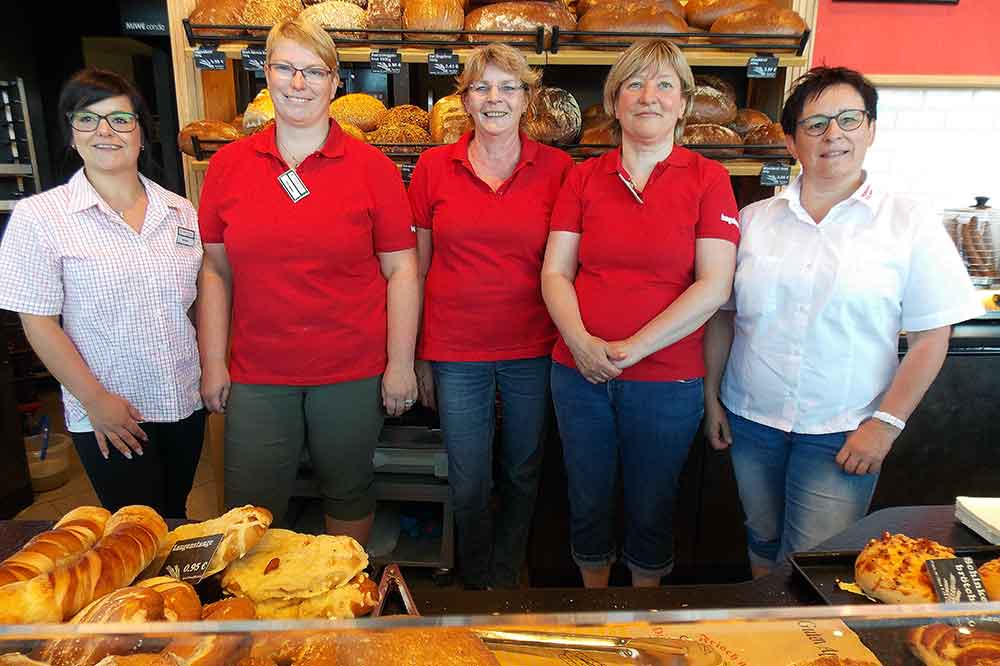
<point>269,12</point>
<point>338,14</point>
<point>405,113</point>
<point>747,119</point>
<point>433,15</point>
<point>449,121</point>
<point>518,17</point>
<point>552,117</point>
<point>629,16</point>
<point>711,106</point>
<point>770,134</point>
<point>399,133</point>
<point>703,13</point>
<point>707,135</point>
<point>358,109</point>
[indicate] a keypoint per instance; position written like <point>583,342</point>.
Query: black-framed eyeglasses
<point>122,122</point>
<point>285,72</point>
<point>848,120</point>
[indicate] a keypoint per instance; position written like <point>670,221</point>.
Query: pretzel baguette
<point>72,536</point>
<point>133,537</point>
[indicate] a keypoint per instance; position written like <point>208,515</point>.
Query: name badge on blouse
<point>293,186</point>
<point>185,236</point>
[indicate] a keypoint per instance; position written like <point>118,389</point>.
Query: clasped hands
<point>600,361</point>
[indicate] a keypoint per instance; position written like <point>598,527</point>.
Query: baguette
<point>132,539</point>
<point>72,536</point>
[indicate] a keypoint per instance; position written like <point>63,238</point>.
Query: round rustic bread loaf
<point>433,15</point>
<point>770,134</point>
<point>352,130</point>
<point>405,113</point>
<point>360,3</point>
<point>358,109</point>
<point>629,16</point>
<point>673,6</point>
<point>338,14</point>
<point>717,82</point>
<point>762,20</point>
<point>401,133</point>
<point>449,121</point>
<point>518,17</point>
<point>703,13</point>
<point>707,134</point>
<point>218,12</point>
<point>747,119</point>
<point>269,12</point>
<point>594,115</point>
<point>597,135</point>
<point>711,106</point>
<point>553,116</point>
<point>206,130</point>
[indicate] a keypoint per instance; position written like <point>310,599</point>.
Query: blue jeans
<point>492,548</point>
<point>794,493</point>
<point>647,427</point>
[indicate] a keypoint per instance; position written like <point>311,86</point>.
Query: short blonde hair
<point>639,57</point>
<point>502,56</point>
<point>308,35</point>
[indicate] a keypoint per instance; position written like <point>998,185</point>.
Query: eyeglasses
<point>282,71</point>
<point>122,122</point>
<point>482,89</point>
<point>848,120</point>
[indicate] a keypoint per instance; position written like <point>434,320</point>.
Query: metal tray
<point>822,570</point>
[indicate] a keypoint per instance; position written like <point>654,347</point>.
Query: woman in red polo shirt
<point>641,253</point>
<point>482,212</point>
<point>308,242</point>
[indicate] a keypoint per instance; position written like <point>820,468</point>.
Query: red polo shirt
<point>637,258</point>
<point>483,296</point>
<point>309,299</point>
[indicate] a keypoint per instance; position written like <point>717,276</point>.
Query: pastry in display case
<point>976,233</point>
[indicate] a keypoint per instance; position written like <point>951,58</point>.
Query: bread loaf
<point>747,119</point>
<point>433,15</point>
<point>401,647</point>
<point>717,82</point>
<point>180,601</point>
<point>762,20</point>
<point>360,3</point>
<point>518,17</point>
<point>258,112</point>
<point>241,528</point>
<point>629,16</point>
<point>338,14</point>
<point>553,116</point>
<point>205,130</point>
<point>707,135</point>
<point>356,598</point>
<point>990,575</point>
<point>594,115</point>
<point>703,13</point>
<point>73,535</point>
<point>358,109</point>
<point>673,6</point>
<point>217,649</point>
<point>944,645</point>
<point>269,12</point>
<point>405,113</point>
<point>397,134</point>
<point>132,538</point>
<point>598,135</point>
<point>449,121</point>
<point>218,12</point>
<point>711,106</point>
<point>352,131</point>
<point>385,14</point>
<point>770,134</point>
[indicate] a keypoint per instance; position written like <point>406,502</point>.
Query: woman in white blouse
<point>828,274</point>
<point>103,271</point>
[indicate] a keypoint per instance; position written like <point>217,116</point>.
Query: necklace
<point>295,162</point>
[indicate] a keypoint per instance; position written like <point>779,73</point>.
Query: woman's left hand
<point>866,448</point>
<point>624,353</point>
<point>399,388</point>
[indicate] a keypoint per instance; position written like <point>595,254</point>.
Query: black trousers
<point>161,477</point>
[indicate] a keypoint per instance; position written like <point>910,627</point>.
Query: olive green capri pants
<point>267,426</point>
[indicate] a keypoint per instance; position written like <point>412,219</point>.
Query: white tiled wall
<point>939,146</point>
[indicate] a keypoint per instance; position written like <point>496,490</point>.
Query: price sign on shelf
<point>762,67</point>
<point>775,174</point>
<point>956,580</point>
<point>387,61</point>
<point>442,63</point>
<point>253,58</point>
<point>206,57</point>
<point>188,560</point>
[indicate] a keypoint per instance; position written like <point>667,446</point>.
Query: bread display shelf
<point>709,56</point>
<point>234,51</point>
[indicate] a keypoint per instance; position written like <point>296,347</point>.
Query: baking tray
<point>822,570</point>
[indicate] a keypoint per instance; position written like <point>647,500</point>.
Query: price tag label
<point>762,67</point>
<point>956,580</point>
<point>253,58</point>
<point>775,175</point>
<point>188,559</point>
<point>387,61</point>
<point>442,63</point>
<point>406,171</point>
<point>205,57</point>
